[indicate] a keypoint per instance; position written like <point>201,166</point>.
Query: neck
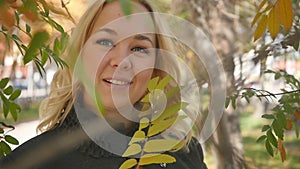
<point>112,115</point>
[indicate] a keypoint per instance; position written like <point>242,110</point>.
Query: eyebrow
<point>142,37</point>
<point>137,37</point>
<point>109,31</point>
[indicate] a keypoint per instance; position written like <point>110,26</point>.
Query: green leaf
<point>4,28</point>
<point>269,71</point>
<point>4,82</point>
<point>227,102</point>
<point>17,18</point>
<point>269,148</point>
<point>156,159</point>
<point>162,145</point>
<point>15,37</point>
<point>126,7</point>
<point>281,119</point>
<point>265,128</point>
<point>133,149</point>
<point>5,147</point>
<point>54,24</point>
<point>44,57</point>
<point>14,110</point>
<point>278,129</point>
<point>15,94</point>
<point>11,140</point>
<point>56,46</point>
<point>268,116</point>
<point>8,90</point>
<point>5,107</point>
<point>64,41</point>
<point>277,75</point>
<point>295,125</point>
<point>38,40</point>
<point>152,84</point>
<point>261,138</point>
<point>28,28</point>
<point>128,164</point>
<point>233,101</point>
<point>272,138</point>
<point>137,137</point>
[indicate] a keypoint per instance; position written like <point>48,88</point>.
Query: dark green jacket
<point>68,147</point>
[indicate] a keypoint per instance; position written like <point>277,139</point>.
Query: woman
<point>115,56</point>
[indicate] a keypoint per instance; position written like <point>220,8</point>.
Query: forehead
<point>111,16</point>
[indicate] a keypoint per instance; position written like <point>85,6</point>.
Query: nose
<point>119,57</point>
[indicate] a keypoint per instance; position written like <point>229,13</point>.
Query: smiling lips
<point>117,82</point>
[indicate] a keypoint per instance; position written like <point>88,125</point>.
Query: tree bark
<point>218,19</point>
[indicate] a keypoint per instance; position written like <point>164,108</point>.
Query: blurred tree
<point>219,20</point>
<point>38,32</point>
<point>228,25</point>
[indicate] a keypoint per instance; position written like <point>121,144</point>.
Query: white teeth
<point>118,82</point>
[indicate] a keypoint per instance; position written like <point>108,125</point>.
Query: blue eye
<point>140,49</point>
<point>105,42</point>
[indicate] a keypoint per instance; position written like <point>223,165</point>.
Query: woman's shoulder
<point>190,157</point>
<point>31,152</point>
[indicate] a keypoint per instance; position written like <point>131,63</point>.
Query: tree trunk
<point>219,21</point>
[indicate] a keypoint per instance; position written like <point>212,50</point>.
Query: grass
<point>256,155</point>
<point>29,112</point>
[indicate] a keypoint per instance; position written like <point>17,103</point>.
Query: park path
<point>24,131</point>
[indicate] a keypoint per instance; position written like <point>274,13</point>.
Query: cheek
<point>143,78</point>
<point>93,60</point>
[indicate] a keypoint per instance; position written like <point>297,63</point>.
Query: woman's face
<point>119,55</point>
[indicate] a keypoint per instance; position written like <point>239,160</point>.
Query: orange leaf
<point>261,4</point>
<point>297,115</point>
<point>261,27</point>
<point>289,124</point>
<point>273,22</point>
<point>257,16</point>
<point>286,13</point>
<point>281,150</point>
<point>7,16</point>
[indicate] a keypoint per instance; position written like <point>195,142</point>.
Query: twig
<point>67,10</point>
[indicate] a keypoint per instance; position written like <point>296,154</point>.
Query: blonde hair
<point>55,108</point>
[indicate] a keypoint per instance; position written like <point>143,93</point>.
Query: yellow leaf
<point>162,145</point>
<point>144,122</point>
<point>145,98</point>
<point>156,159</point>
<point>159,126</point>
<point>152,83</point>
<point>128,164</point>
<point>273,22</point>
<point>261,27</point>
<point>133,149</point>
<point>170,111</point>
<point>138,136</point>
<point>286,13</point>
<point>163,83</point>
